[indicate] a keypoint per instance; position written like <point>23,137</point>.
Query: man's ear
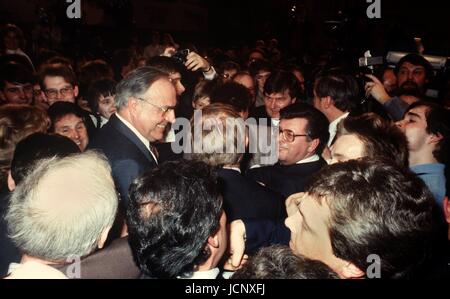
<point>11,182</point>
<point>2,96</point>
<point>75,91</point>
<point>313,144</point>
<point>326,102</point>
<point>293,100</point>
<point>213,241</point>
<point>447,209</point>
<point>103,237</point>
<point>349,271</point>
<point>435,138</point>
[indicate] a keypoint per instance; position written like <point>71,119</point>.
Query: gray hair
<point>136,83</point>
<point>62,207</point>
<point>221,140</point>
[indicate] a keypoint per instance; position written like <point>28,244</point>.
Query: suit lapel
<point>124,130</point>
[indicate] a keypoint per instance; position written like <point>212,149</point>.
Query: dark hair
<point>280,81</point>
<point>59,70</point>
<point>121,58</point>
<point>103,87</point>
<point>60,109</point>
<point>279,262</point>
<point>377,208</point>
<point>233,94</point>
<point>343,90</point>
<point>415,59</point>
<point>15,73</point>
<point>170,215</point>
<point>204,88</point>
<point>39,146</point>
<point>317,126</point>
<point>165,64</point>
<point>259,65</point>
<point>92,71</point>
<point>381,139</point>
<point>438,122</point>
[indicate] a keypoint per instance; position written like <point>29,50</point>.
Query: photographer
<point>413,73</point>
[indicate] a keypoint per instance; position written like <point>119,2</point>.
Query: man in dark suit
<point>222,143</point>
<point>145,102</point>
<point>303,133</point>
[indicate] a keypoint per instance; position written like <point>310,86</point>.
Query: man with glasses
<point>58,83</point>
<point>145,102</point>
<point>303,133</point>
<point>16,84</point>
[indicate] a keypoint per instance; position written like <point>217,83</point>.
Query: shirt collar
<point>232,168</point>
<point>332,128</point>
<point>139,135</point>
<point>313,158</point>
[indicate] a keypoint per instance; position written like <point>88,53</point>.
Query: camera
<point>180,56</point>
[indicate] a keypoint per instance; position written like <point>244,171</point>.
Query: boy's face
<point>106,106</point>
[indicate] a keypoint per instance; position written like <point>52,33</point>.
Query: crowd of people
<point>175,163</point>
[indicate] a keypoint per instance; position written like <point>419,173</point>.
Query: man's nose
<point>170,116</point>
<point>74,135</point>
<point>399,123</point>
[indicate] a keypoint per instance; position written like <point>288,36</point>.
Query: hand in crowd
<point>236,246</point>
<point>376,90</point>
<point>168,51</point>
<point>196,62</point>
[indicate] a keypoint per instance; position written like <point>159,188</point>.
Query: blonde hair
<point>17,121</point>
<point>221,141</point>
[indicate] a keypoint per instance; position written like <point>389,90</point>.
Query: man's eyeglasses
<point>164,109</point>
<point>53,93</point>
<point>290,136</point>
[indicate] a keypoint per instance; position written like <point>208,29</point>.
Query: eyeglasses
<point>53,93</point>
<point>290,136</point>
<point>164,109</point>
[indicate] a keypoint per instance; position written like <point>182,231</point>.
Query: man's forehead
<point>297,122</point>
<point>175,76</point>
<point>417,111</point>
<point>280,94</point>
<point>410,66</point>
<point>53,80</point>
<point>16,84</point>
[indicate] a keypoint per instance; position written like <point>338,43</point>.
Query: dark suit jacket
<point>112,262</point>
<point>262,233</point>
<point>286,180</point>
<point>259,113</point>
<point>244,198</point>
<point>126,154</point>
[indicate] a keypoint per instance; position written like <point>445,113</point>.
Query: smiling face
<point>147,115</point>
<point>106,106</point>
<point>276,101</point>
<point>73,127</point>
<point>17,93</point>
